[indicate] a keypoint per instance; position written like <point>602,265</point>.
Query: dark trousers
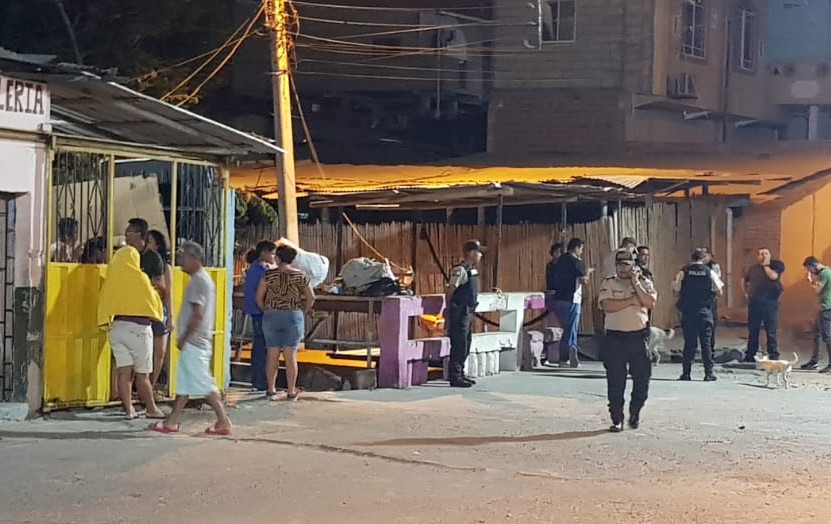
<point>624,354</point>
<point>762,312</point>
<point>458,329</point>
<point>698,329</point>
<point>822,334</point>
<point>258,354</point>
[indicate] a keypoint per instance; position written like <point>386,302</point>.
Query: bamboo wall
<point>671,230</point>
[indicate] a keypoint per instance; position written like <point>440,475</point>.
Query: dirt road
<point>519,448</point>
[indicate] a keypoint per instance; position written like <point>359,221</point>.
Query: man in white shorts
<point>128,305</point>
<point>196,321</point>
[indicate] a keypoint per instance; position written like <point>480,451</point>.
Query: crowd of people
<point>137,309</point>
<point>627,297</point>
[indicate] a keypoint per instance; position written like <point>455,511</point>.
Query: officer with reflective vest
<point>697,286</point>
<point>461,298</point>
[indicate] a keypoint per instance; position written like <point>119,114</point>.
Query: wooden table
<point>338,304</point>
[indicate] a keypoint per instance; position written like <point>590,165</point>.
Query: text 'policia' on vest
<point>697,288</point>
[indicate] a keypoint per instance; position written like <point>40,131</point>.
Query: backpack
<point>381,288</point>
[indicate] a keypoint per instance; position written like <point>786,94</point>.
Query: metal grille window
<point>557,20</point>
<point>80,185</point>
<point>693,29</point>
<point>7,371</point>
<point>746,22</point>
<point>199,210</point>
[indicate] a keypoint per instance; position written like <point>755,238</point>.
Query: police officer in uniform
<point>697,286</point>
<point>461,298</point>
<point>626,298</point>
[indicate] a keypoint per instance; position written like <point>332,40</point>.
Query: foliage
<point>253,211</point>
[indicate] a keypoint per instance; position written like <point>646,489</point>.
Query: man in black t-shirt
<point>643,262</point>
<point>570,274</point>
<point>151,262</point>
<point>762,288</point>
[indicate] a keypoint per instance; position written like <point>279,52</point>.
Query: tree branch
<point>70,31</point>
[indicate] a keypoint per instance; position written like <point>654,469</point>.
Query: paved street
<point>528,447</point>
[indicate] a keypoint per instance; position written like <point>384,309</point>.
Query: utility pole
<point>277,21</point>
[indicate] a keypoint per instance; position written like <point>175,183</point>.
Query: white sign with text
<point>24,105</point>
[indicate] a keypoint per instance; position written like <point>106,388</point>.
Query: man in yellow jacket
<point>128,306</point>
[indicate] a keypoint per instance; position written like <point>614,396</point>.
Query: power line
<point>393,9</point>
<point>431,79</point>
<point>418,28</point>
<point>390,50</point>
<point>210,59</point>
<point>398,68</point>
<point>482,51</point>
<point>177,65</point>
<point>357,23</point>
<point>306,130</point>
<point>227,58</point>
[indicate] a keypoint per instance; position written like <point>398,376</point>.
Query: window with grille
<point>746,25</point>
<point>693,29</point>
<point>558,20</point>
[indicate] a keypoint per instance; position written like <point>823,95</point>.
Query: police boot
<point>617,422</point>
<point>634,418</point>
<point>709,376</point>
<point>685,373</point>
<point>459,382</point>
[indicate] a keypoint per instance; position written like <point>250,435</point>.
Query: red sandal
<point>224,432</point>
<point>159,427</point>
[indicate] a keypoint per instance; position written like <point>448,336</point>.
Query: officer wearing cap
<point>626,298</point>
<point>461,298</point>
<point>697,286</point>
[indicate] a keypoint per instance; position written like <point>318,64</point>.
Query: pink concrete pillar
<point>396,347</point>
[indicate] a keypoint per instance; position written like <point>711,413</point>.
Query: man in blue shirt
<point>263,260</point>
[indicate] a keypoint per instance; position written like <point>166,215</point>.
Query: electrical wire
<point>306,130</point>
<point>357,23</point>
<point>430,79</point>
<point>210,59</point>
<point>177,65</point>
<point>478,52</point>
<point>365,242</point>
<point>363,45</point>
<point>227,58</point>
<point>427,28</point>
<point>385,66</point>
<point>399,9</point>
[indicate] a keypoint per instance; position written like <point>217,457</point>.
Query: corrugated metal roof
<point>750,174</point>
<point>88,106</point>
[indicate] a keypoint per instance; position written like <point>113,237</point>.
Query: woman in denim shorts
<point>157,242</point>
<point>284,295</point>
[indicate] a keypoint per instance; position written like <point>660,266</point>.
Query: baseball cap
<point>623,256</point>
<point>474,245</point>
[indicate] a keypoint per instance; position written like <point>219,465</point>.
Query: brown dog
<point>780,368</point>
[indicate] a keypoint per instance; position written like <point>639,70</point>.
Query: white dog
<point>780,368</point>
<point>657,338</point>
